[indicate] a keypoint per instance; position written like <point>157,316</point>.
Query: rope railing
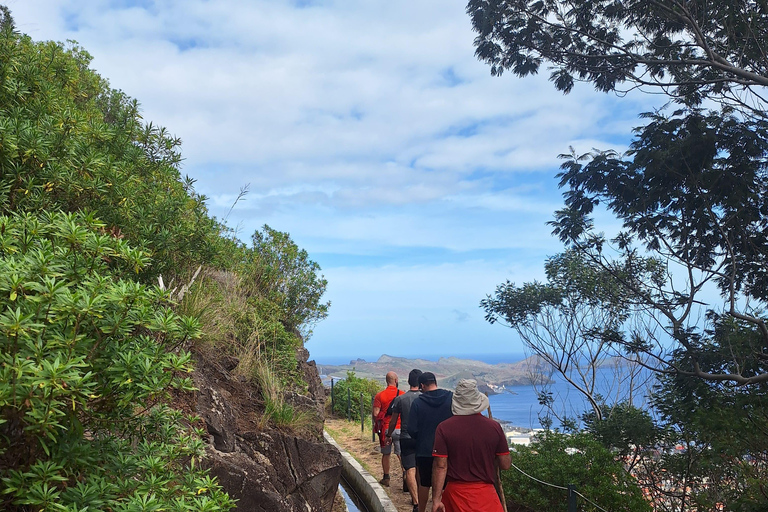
<point>589,501</point>
<point>570,489</point>
<point>539,481</point>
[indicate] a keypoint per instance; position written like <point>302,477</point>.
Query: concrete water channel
<point>359,485</point>
<point>351,499</point>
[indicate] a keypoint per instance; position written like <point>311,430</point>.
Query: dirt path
<point>360,446</point>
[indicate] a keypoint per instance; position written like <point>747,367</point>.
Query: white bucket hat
<point>467,399</point>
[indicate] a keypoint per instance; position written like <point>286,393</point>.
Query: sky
<point>369,132</point>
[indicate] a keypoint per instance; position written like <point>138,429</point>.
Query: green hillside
<point>94,213</point>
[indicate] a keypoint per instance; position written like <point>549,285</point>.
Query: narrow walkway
<point>359,445</point>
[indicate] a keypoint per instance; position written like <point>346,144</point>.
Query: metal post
<point>333,399</point>
<point>349,404</point>
<point>373,431</point>
<point>571,498</point>
<point>362,418</point>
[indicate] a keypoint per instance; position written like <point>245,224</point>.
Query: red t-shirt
<point>382,400</point>
<point>471,444</point>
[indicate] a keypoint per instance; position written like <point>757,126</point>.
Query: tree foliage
<point>286,277</point>
<point>690,194</point>
<point>725,459</point>
<point>68,141</point>
<point>689,50</point>
<point>691,188</point>
<point>563,460</point>
<point>570,322</point>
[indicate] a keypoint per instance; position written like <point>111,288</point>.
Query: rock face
<point>265,469</point>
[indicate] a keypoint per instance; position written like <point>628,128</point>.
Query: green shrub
<point>69,142</point>
<point>355,386</point>
<point>286,277</point>
<point>86,356</point>
<point>592,468</point>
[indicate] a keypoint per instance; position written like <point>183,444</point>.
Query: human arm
<point>376,409</point>
<point>392,423</point>
<point>503,459</point>
<point>439,470</point>
<point>413,420</point>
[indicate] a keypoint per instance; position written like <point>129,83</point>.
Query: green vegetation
<point>354,386</point>
<point>562,460</point>
<point>87,354</point>
<point>276,410</point>
<point>93,211</point>
<point>689,262</point>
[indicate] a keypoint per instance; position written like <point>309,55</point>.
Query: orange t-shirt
<point>382,401</point>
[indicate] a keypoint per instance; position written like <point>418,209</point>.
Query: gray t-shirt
<point>402,406</point>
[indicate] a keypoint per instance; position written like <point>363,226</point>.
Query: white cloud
<point>366,129</point>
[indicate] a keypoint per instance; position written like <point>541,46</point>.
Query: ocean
<point>520,406</point>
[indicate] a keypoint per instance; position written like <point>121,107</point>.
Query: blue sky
<point>370,133</point>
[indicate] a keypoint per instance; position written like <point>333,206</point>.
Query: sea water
<point>520,405</point>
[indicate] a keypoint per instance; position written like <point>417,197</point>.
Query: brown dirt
<point>359,445</point>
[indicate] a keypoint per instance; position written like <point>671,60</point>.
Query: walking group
<point>443,442</point>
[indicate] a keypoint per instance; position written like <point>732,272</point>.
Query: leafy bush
<point>86,354</point>
<point>70,142</point>
<point>624,429</point>
<point>87,348</point>
<point>576,459</point>
<point>354,386</point>
<point>286,277</point>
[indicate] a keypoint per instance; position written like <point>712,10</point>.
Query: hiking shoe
<point>416,508</point>
<point>384,482</point>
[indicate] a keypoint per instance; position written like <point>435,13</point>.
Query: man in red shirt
<point>381,403</point>
<point>468,447</point>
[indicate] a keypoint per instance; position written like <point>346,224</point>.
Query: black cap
<point>426,378</point>
<point>413,377</point>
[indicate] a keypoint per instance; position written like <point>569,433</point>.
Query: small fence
<point>362,400</point>
<point>570,489</point>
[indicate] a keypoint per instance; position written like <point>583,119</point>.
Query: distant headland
<point>491,378</point>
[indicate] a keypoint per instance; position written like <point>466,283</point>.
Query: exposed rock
<point>213,405</point>
<point>311,376</point>
<point>265,469</point>
<point>278,472</point>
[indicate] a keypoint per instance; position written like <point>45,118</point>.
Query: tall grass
<point>277,411</point>
<point>235,321</point>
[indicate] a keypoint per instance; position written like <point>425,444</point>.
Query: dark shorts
<point>424,465</point>
<point>408,453</point>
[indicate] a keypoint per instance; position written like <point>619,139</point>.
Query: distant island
<point>491,378</point>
